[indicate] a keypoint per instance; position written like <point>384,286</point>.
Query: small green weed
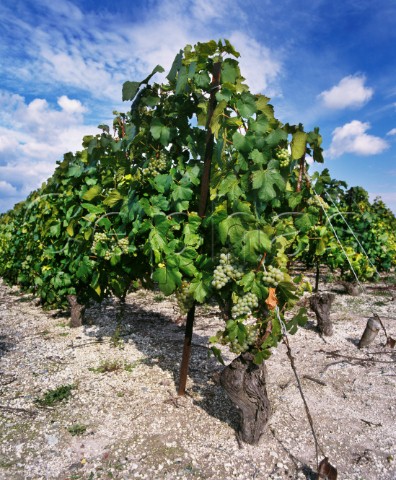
<point>159,297</point>
<point>63,325</point>
<point>56,395</point>
<point>77,429</point>
<point>107,366</point>
<point>116,341</point>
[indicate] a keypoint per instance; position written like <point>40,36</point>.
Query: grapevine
<point>69,236</point>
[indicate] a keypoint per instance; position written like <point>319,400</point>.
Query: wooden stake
<point>186,351</point>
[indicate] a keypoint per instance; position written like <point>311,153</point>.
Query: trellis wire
<point>307,411</point>
<point>351,230</point>
<point>340,244</point>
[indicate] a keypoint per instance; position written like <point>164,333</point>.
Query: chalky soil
<point>123,419</point>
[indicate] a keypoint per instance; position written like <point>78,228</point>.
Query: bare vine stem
<point>299,386</point>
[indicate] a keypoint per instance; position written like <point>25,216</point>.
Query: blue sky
<point>328,63</point>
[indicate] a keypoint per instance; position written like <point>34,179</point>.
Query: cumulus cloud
<point>34,135</point>
<point>6,189</point>
<point>352,138</point>
<point>258,64</point>
<point>392,132</point>
<point>350,92</point>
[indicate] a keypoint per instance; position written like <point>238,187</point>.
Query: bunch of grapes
<point>273,276</point>
<point>123,244</point>
<point>98,238</point>
<point>318,202</point>
<point>238,348</point>
<point>283,156</point>
<point>156,165</point>
<point>184,299</point>
<point>226,270</point>
<point>244,305</point>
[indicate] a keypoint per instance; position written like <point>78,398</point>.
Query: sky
<point>325,63</point>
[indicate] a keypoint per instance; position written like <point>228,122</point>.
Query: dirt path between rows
<point>124,421</point>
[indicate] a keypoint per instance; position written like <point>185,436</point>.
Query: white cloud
<point>258,64</point>
<point>350,92</point>
<point>392,132</point>
<point>39,135</point>
<point>71,106</point>
<point>352,138</point>
<point>6,189</point>
<point>96,55</point>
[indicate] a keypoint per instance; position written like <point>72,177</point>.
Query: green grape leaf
<point>241,142</point>
<point>275,137</point>
<point>181,193</point>
<point>229,71</point>
<point>215,122</point>
<point>298,145</point>
<point>113,197</point>
<point>182,81</point>
<point>75,171</point>
<point>265,181</point>
<point>176,65</point>
<point>255,244</point>
<point>217,354</point>
<point>246,105</point>
<point>129,90</point>
<point>201,289</point>
<point>168,279</point>
<point>230,186</point>
<point>92,193</point>
<point>160,132</point>
<point>93,208</point>
<point>305,221</point>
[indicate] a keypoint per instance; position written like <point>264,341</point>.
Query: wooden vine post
<point>205,184</point>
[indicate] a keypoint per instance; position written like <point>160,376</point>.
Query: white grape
<point>273,276</point>
<point>184,298</point>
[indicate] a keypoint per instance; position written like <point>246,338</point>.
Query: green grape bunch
<point>227,270</point>
<point>238,344</point>
<point>284,157</point>
<point>111,244</point>
<point>244,305</point>
<point>273,276</point>
<point>184,299</point>
<point>156,165</point>
<point>318,201</point>
<point>123,243</point>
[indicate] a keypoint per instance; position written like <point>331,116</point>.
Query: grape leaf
<point>265,181</point>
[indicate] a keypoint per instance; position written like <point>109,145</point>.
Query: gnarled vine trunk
<point>76,311</point>
<point>352,288</point>
<point>321,304</point>
<point>245,383</point>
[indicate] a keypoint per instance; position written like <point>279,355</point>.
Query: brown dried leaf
<point>272,301</point>
<point>326,470</point>
<point>390,342</point>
